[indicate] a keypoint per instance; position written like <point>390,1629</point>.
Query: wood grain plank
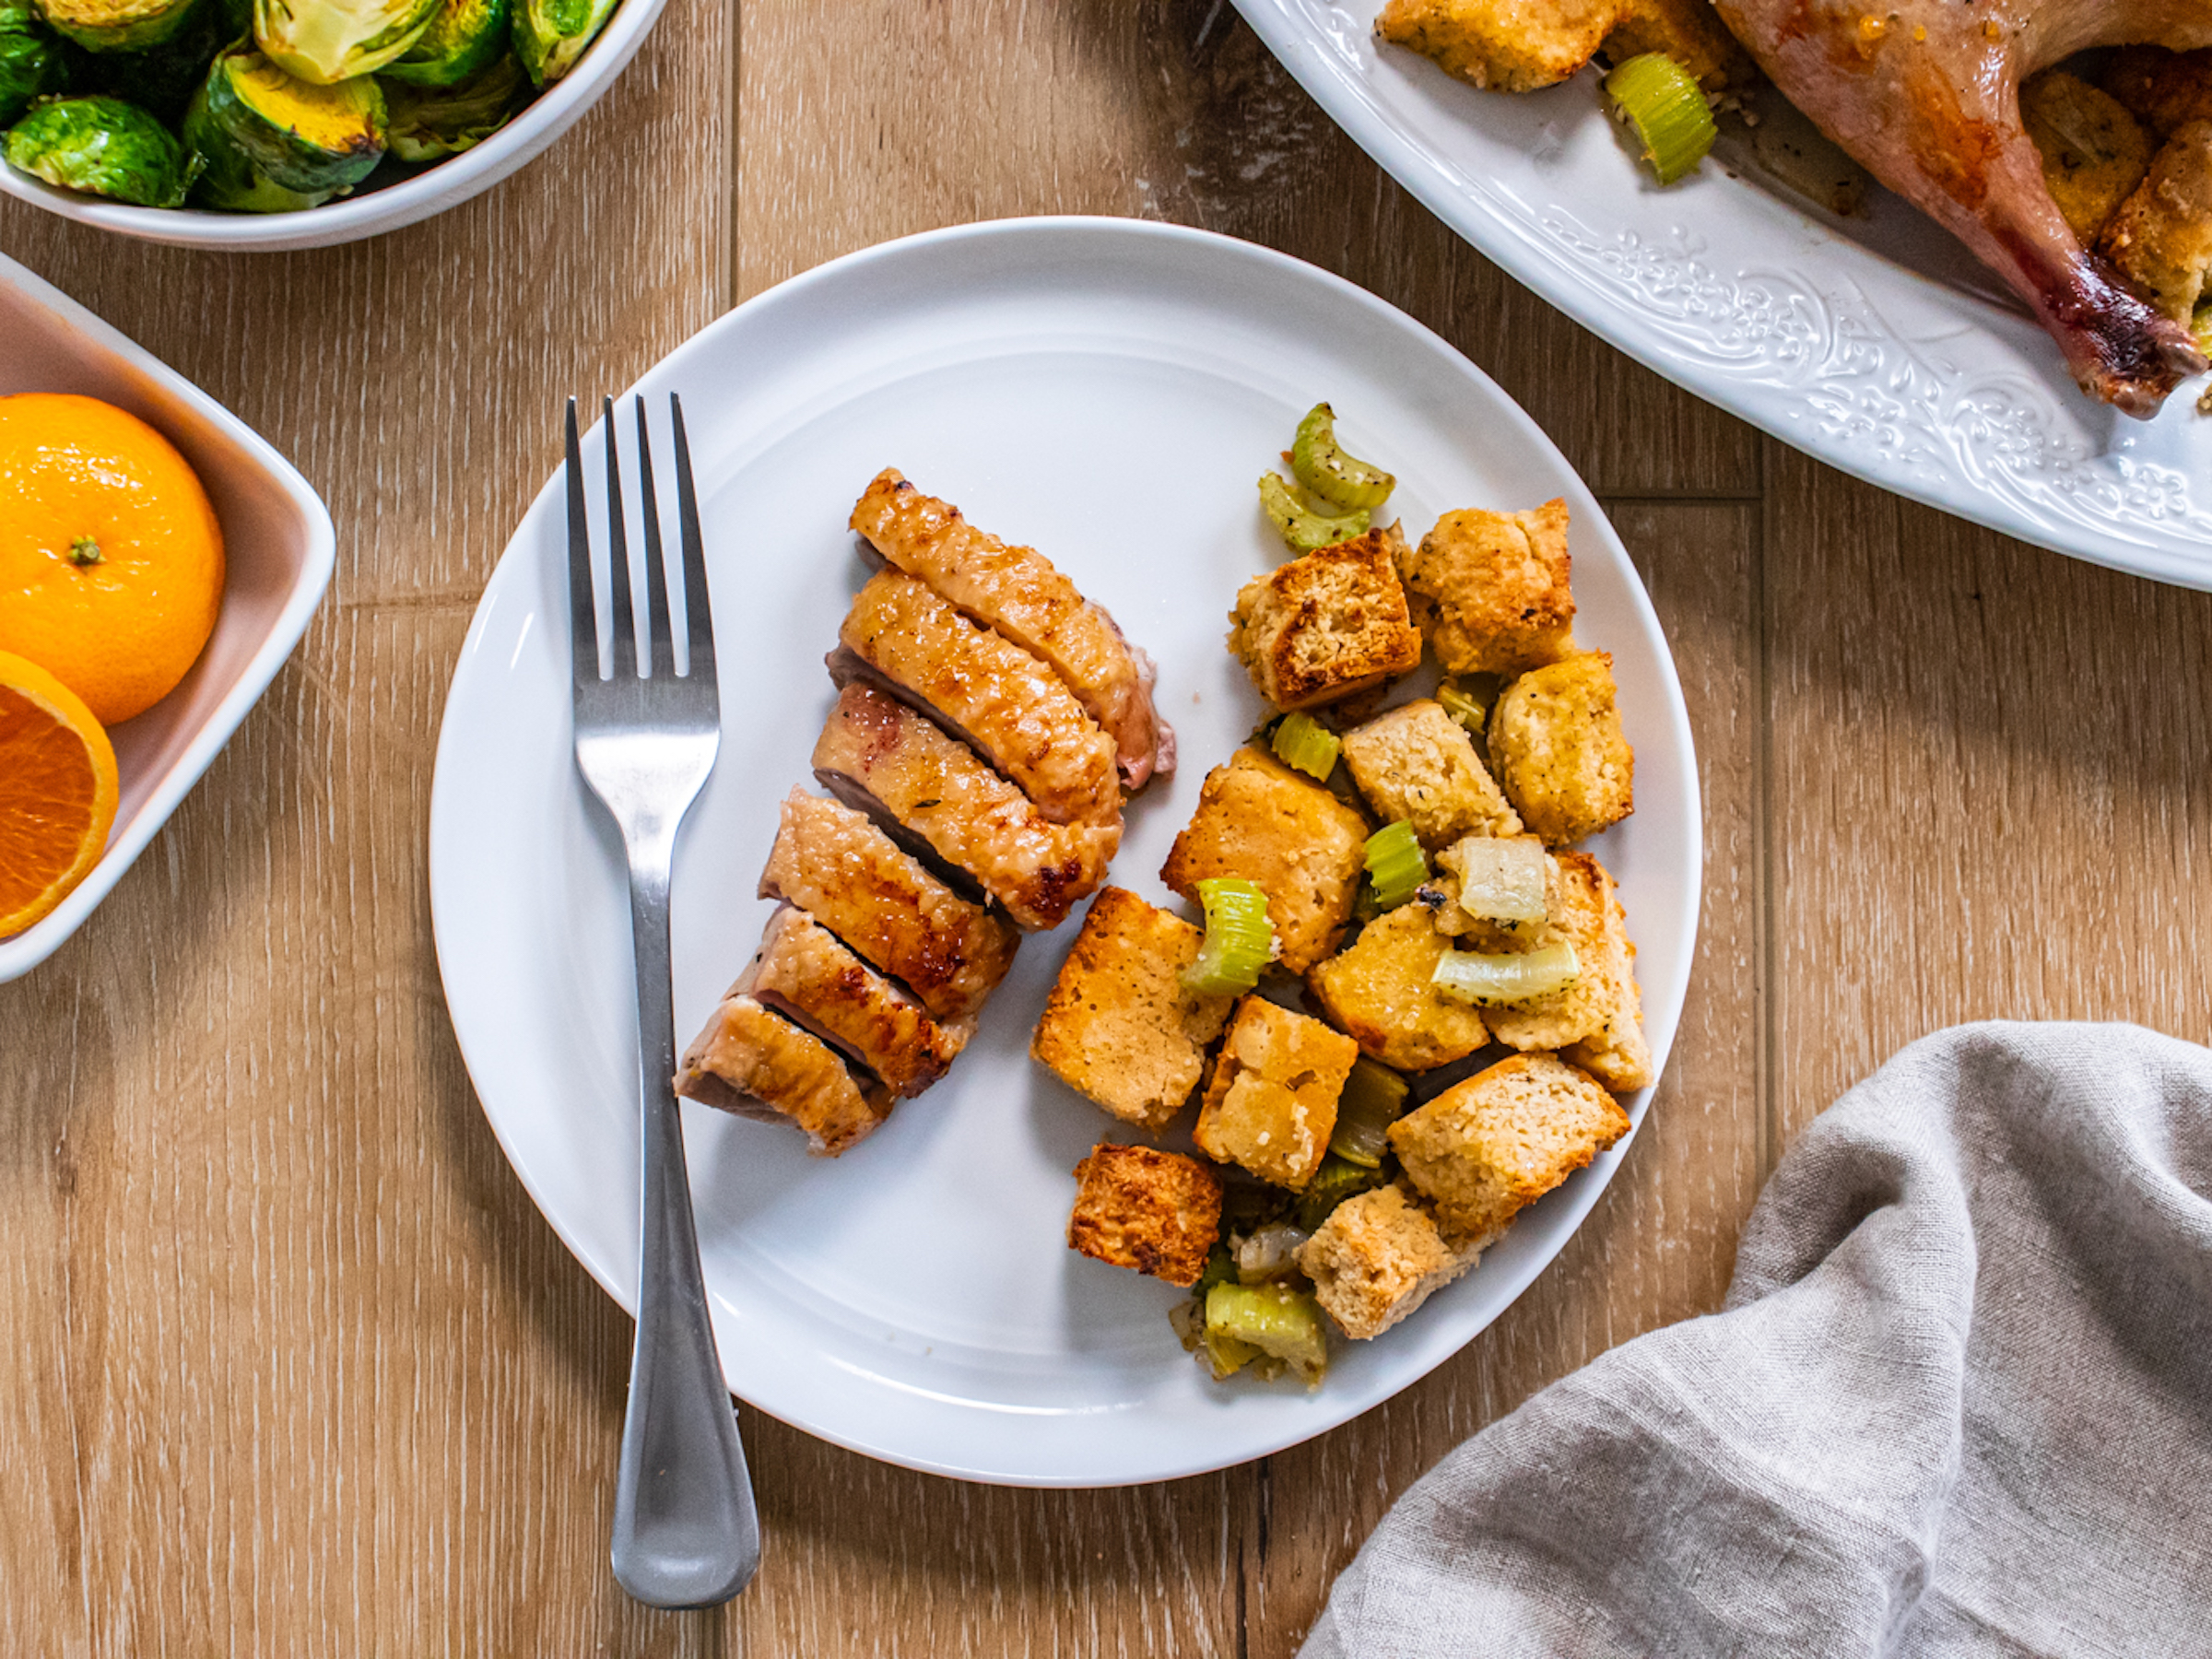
<point>1659,1244</point>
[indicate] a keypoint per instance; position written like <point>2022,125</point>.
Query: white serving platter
<point>1108,390</point>
<point>1876,344</point>
<point>278,553</point>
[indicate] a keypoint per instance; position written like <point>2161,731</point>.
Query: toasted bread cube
<point>1327,625</point>
<point>2094,152</point>
<point>1690,32</point>
<point>2160,89</point>
<point>1490,590</point>
<point>1506,44</point>
<point>1303,847</point>
<point>1139,1208</point>
<point>1485,1149</point>
<point>1378,993</point>
<point>1271,1104</point>
<point>1378,1257</point>
<point>1119,1026</point>
<point>1557,748</point>
<point>2161,240</point>
<point>1417,763</point>
<point>1616,1052</point>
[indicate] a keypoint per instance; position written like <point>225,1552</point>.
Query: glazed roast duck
<point>1924,94</point>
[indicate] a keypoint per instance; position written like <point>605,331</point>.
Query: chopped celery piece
<point>1306,527</point>
<point>1372,1097</point>
<point>1342,480</point>
<point>1274,1320</point>
<point>1220,1269</point>
<point>1337,1180</point>
<point>1467,709</point>
<point>1225,1355</point>
<point>1395,864</point>
<point>1238,942</point>
<point>1303,742</point>
<point>1512,978</point>
<point>1502,878</point>
<point>1664,103</point>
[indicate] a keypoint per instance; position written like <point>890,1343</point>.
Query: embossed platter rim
<point>1874,346</point>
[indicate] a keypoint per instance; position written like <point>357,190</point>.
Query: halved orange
<point>57,791</point>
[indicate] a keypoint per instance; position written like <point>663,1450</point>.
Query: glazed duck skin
<point>1925,95</point>
<point>757,1064</point>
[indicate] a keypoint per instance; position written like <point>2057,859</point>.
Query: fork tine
<point>698,615</point>
<point>583,624</point>
<point>657,607</point>
<point>618,552</point>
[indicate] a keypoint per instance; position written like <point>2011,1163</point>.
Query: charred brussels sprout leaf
<point>102,147</point>
<point>122,25</point>
<point>428,124</point>
<point>465,39</point>
<point>550,35</point>
<point>314,139</point>
<point>227,180</point>
<point>326,41</point>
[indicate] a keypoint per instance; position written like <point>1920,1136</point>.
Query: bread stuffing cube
<point>1302,846</point>
<point>1558,749</point>
<point>1487,1148</point>
<point>1271,1104</point>
<point>1506,45</point>
<point>1690,32</point>
<point>1417,763</point>
<point>1378,993</point>
<point>2163,90</point>
<point>1378,1257</point>
<point>1490,590</point>
<point>2160,238</point>
<point>1326,625</point>
<point>2094,152</point>
<point>1119,1026</point>
<point>1139,1208</point>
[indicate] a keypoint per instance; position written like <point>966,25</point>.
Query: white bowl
<point>349,219</point>
<point>279,548</point>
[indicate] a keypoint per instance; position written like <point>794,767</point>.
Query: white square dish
<point>279,550</point>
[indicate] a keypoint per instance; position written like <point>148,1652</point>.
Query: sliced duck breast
<point>761,1066</point>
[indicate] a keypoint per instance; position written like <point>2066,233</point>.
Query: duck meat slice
<point>1022,594</point>
<point>852,879</point>
<point>945,806</point>
<point>985,690</point>
<point>757,1064</point>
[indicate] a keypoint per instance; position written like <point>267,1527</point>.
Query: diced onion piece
<point>1669,110</point>
<point>1501,878</point>
<point>1373,1097</point>
<point>1270,1254</point>
<point>1466,710</point>
<point>1342,480</point>
<point>1306,527</point>
<point>1500,981</point>
<point>1238,942</point>
<point>1303,742</point>
<point>1273,1319</point>
<point>1395,864</point>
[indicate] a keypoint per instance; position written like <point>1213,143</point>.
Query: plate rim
<point>1675,713</point>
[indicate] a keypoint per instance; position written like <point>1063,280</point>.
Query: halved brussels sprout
<point>428,124</point>
<point>120,25</point>
<point>103,146</point>
<point>227,179</point>
<point>313,139</point>
<point>465,37</point>
<point>327,42</point>
<point>550,35</point>
<point>29,64</point>
<point>161,78</point>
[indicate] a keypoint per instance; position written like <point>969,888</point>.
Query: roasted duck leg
<point>1925,95</point>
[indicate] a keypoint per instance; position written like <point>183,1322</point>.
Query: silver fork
<point>685,1533</point>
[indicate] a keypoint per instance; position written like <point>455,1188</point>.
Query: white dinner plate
<point>1876,344</point>
<point>1107,391</point>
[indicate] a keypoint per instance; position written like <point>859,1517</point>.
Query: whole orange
<point>110,556</point>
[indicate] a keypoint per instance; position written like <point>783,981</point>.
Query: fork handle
<point>685,1533</point>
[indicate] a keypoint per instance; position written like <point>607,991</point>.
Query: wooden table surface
<point>292,1366</point>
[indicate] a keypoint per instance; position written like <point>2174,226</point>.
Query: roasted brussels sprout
<point>122,25</point>
<point>316,139</point>
<point>30,60</point>
<point>326,41</point>
<point>227,179</point>
<point>161,78</point>
<point>465,37</point>
<point>550,35</point>
<point>428,124</point>
<point>103,146</point>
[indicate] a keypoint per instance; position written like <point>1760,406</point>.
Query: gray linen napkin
<point>1958,1401</point>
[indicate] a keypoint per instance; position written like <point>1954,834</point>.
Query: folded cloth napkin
<point>1959,1400</point>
